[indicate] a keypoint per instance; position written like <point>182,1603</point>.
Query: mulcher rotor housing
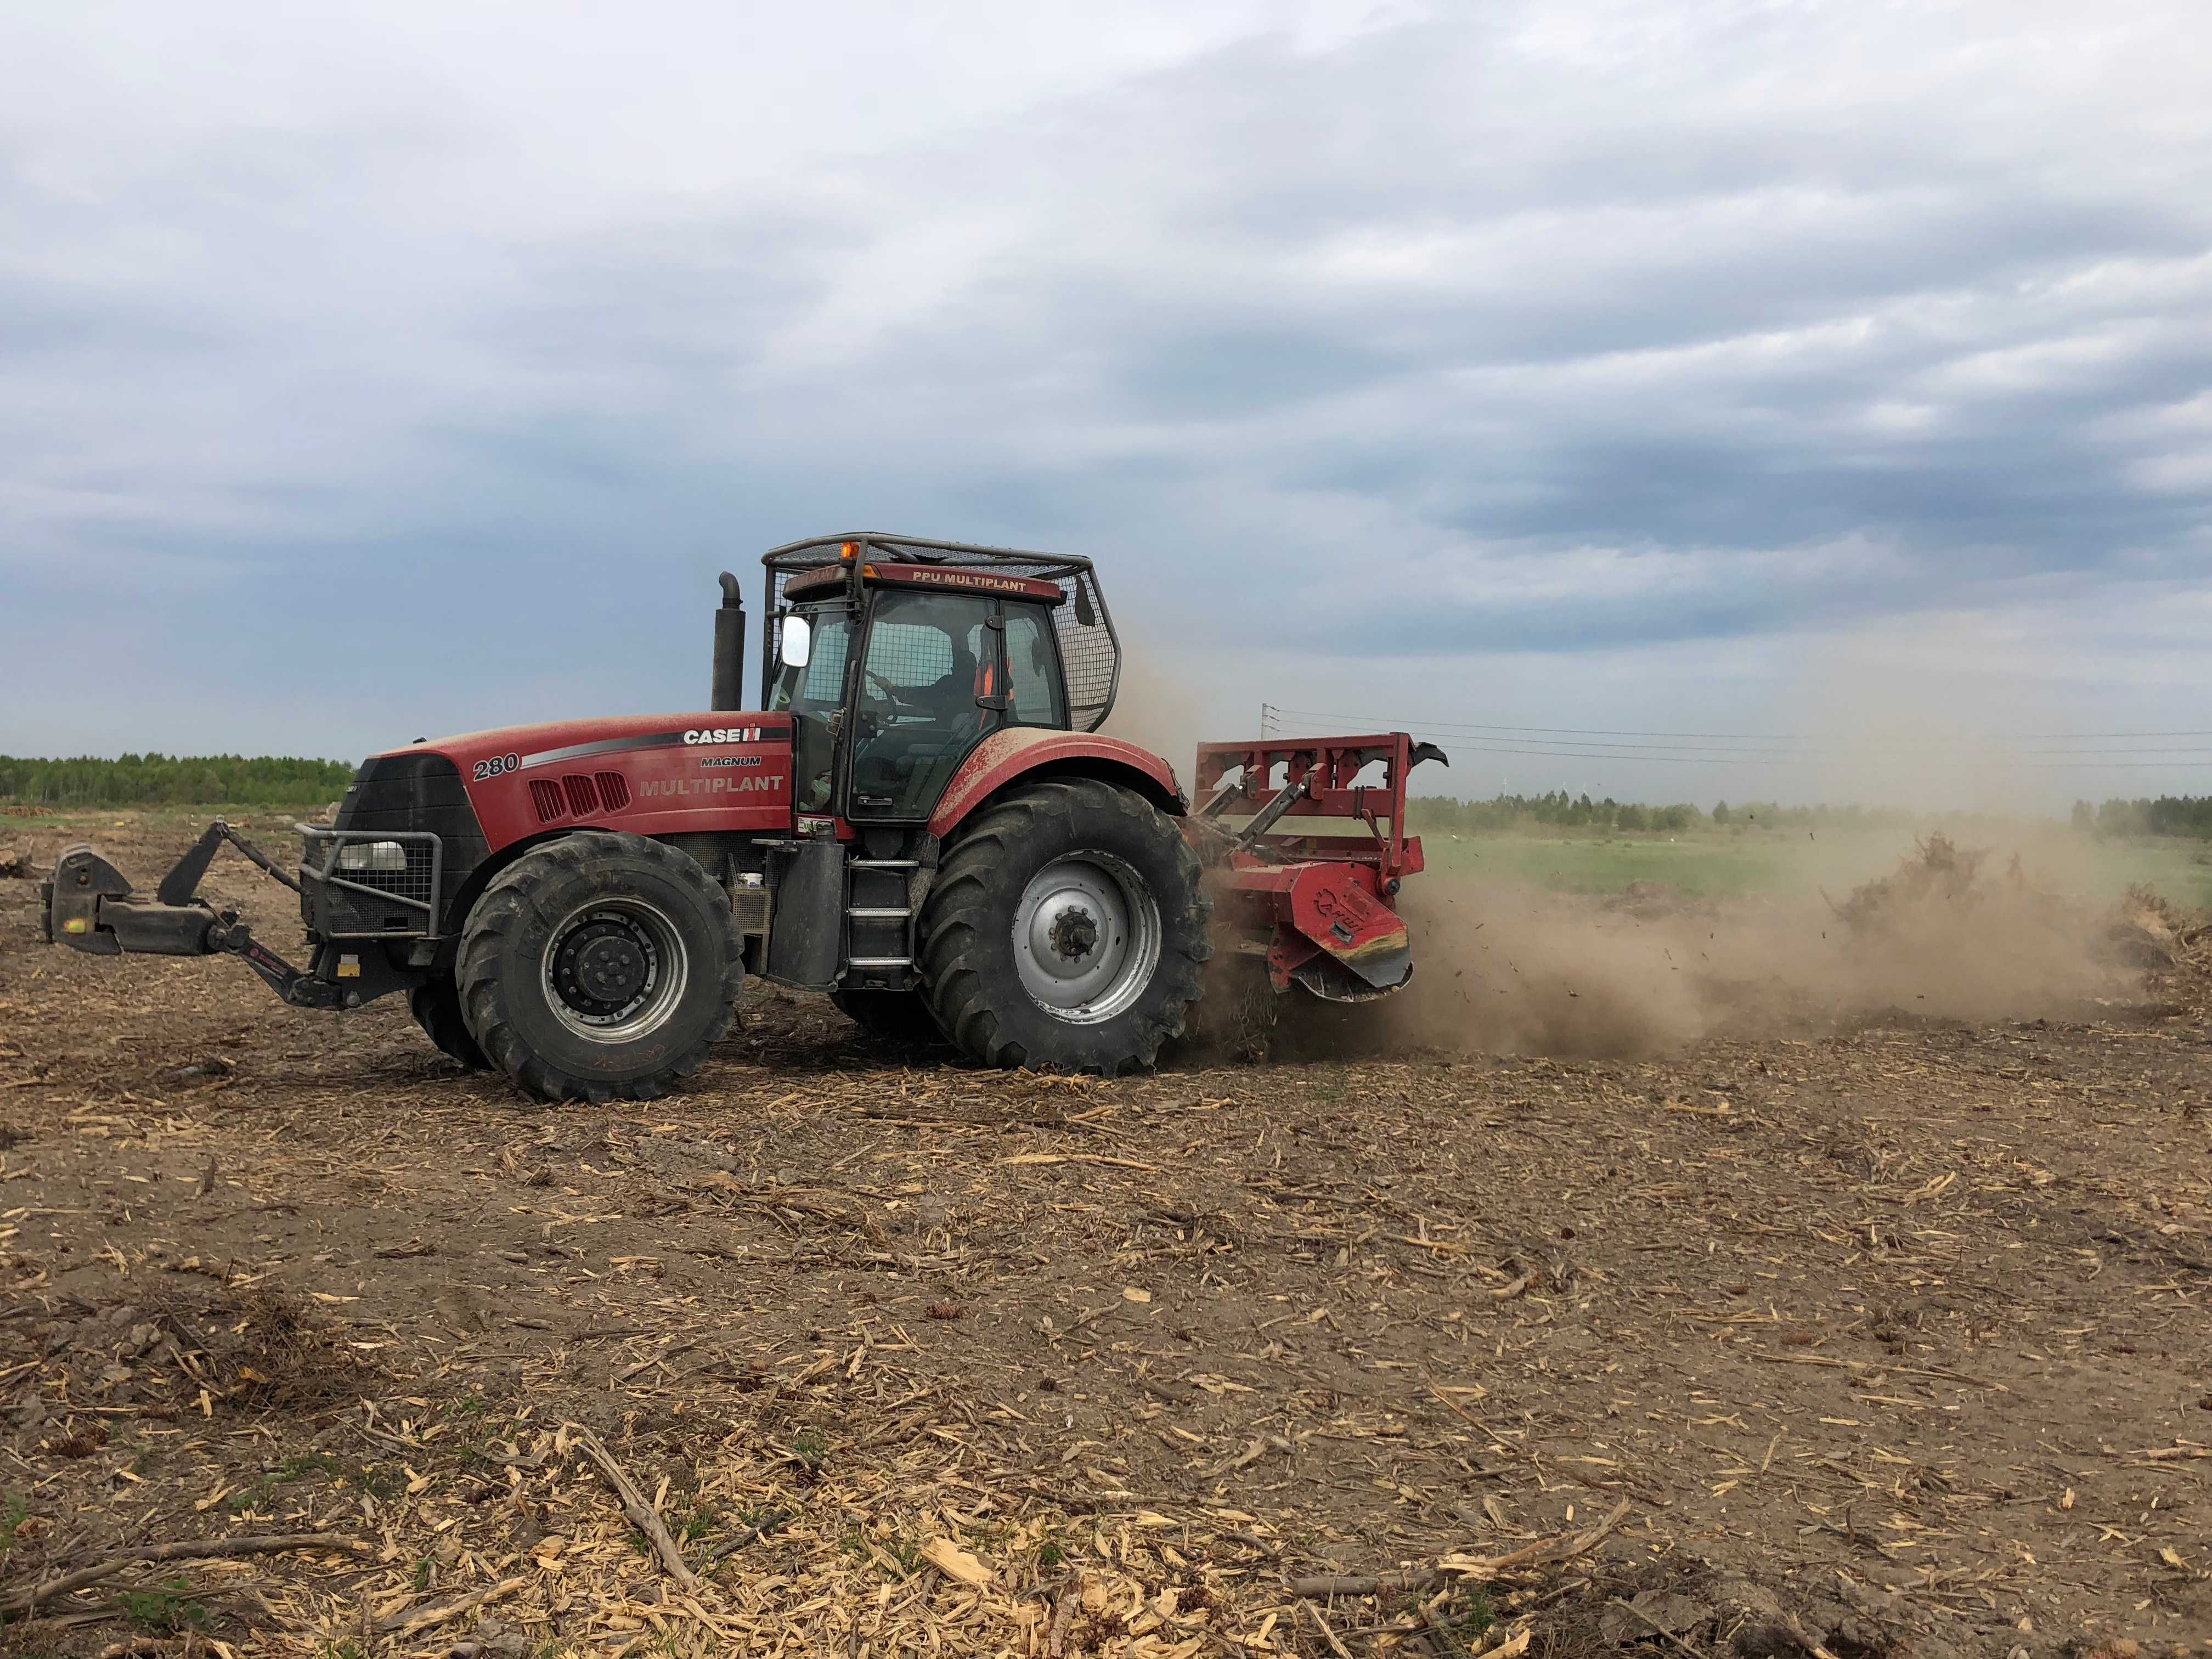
<point>920,818</point>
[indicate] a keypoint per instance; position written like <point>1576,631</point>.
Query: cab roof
<point>1088,645</point>
<point>795,558</point>
<point>828,579</point>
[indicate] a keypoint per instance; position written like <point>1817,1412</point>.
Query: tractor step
<point>879,916</point>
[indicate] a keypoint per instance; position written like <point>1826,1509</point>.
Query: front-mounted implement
<point>91,907</point>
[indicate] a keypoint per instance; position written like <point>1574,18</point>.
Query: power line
<point>1663,759</point>
<point>1575,731</point>
<point>1554,742</point>
<point>2186,748</point>
<point>1674,755</point>
<point>1676,760</point>
<point>1721,749</point>
<point>1373,723</point>
<point>2084,737</point>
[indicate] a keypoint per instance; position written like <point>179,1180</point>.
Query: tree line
<point>1561,811</point>
<point>2168,815</point>
<point>173,781</point>
<point>1556,810</point>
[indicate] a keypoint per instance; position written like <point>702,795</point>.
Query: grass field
<point>1737,863</point>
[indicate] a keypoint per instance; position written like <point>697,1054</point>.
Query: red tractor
<point>921,820</point>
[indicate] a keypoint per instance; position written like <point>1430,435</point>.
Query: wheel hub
<point>1086,937</point>
<point>614,970</point>
<point>607,961</point>
<point>1074,933</point>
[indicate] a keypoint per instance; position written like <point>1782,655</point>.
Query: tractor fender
<point>1030,751</point>
<point>493,866</point>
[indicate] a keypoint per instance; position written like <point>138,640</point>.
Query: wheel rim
<point>1086,937</point>
<point>615,971</point>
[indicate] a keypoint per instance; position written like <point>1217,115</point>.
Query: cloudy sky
<point>1684,399</point>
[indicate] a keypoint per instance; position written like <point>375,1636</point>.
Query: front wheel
<point>1066,929</point>
<point>600,967</point>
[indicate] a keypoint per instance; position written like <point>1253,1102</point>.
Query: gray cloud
<point>406,348</point>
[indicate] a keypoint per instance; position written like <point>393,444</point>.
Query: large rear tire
<point>1066,930</point>
<point>600,967</point>
<point>895,1016</point>
<point>436,1003</point>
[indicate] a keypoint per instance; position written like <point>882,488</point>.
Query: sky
<point>1671,401</point>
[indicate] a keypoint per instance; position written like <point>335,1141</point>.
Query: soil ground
<point>1892,1340</point>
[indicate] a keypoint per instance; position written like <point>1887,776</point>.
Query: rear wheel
<point>600,967</point>
<point>436,1003</point>
<point>1066,929</point>
<point>894,1016</point>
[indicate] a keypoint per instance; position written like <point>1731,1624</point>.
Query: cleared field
<point>1889,1341</point>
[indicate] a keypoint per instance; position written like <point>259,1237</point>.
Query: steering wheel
<point>889,691</point>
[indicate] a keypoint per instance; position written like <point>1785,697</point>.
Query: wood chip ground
<point>1896,1341</point>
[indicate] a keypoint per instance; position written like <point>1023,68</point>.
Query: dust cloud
<point>1861,926</point>
<point>1156,709</point>
<point>1872,924</point>
<point>1947,936</point>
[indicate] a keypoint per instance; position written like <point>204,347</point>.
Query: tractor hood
<point>654,774</point>
<point>551,741</point>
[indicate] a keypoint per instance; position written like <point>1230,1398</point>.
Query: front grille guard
<point>417,886</point>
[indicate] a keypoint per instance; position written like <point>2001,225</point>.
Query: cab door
<point>929,690</point>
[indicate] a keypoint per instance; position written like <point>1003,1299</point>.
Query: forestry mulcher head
<point>1314,856</point>
<point>922,819</point>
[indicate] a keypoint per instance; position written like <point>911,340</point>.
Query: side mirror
<point>795,644</point>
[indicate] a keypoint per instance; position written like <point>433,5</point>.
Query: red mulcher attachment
<point>1307,860</point>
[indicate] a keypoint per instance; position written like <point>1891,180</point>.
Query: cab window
<point>819,687</point>
<point>1032,669</point>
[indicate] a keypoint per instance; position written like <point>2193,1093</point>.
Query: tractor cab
<point>895,659</point>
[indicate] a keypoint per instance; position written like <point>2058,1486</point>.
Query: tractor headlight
<point>388,857</point>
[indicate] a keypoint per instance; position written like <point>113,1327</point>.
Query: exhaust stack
<point>729,648</point>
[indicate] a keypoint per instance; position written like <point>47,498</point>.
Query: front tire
<point>1066,929</point>
<point>600,967</point>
